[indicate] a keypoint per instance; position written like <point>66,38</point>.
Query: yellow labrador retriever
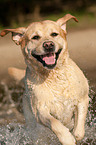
<point>56,90</point>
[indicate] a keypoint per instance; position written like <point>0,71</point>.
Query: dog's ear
<point>62,21</point>
<point>17,34</point>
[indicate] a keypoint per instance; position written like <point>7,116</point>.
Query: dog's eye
<point>36,37</point>
<point>54,34</point>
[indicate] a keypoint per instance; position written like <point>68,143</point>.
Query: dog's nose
<point>49,46</point>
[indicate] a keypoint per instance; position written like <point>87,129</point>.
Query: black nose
<point>49,46</point>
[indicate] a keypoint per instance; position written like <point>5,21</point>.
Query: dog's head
<point>42,42</point>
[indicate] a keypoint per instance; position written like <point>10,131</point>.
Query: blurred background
<point>81,42</point>
<point>14,13</point>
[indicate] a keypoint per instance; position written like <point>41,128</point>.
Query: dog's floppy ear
<point>62,21</point>
<point>17,34</point>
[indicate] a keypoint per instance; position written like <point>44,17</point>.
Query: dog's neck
<point>40,74</point>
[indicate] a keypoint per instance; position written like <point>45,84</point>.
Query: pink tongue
<point>49,59</point>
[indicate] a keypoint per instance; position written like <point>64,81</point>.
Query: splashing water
<point>90,126</point>
<point>18,134</point>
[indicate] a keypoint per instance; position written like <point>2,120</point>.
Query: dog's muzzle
<point>49,58</point>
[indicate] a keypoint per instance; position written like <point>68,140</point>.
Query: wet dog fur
<point>56,90</point>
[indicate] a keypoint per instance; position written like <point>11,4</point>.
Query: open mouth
<point>48,60</point>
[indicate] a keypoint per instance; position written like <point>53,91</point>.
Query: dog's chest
<point>58,96</point>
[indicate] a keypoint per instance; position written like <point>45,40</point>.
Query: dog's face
<point>42,42</point>
<point>46,40</point>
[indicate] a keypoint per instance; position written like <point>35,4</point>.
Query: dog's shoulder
<point>77,75</point>
<point>75,69</point>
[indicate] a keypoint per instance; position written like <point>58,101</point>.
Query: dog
<point>56,90</point>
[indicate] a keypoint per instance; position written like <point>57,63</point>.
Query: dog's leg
<point>17,74</point>
<point>62,132</point>
<point>80,118</point>
<point>28,114</point>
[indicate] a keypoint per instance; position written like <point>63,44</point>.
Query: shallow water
<point>18,134</point>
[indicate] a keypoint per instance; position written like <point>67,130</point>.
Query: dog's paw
<point>68,141</point>
<point>67,138</point>
<point>79,134</point>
